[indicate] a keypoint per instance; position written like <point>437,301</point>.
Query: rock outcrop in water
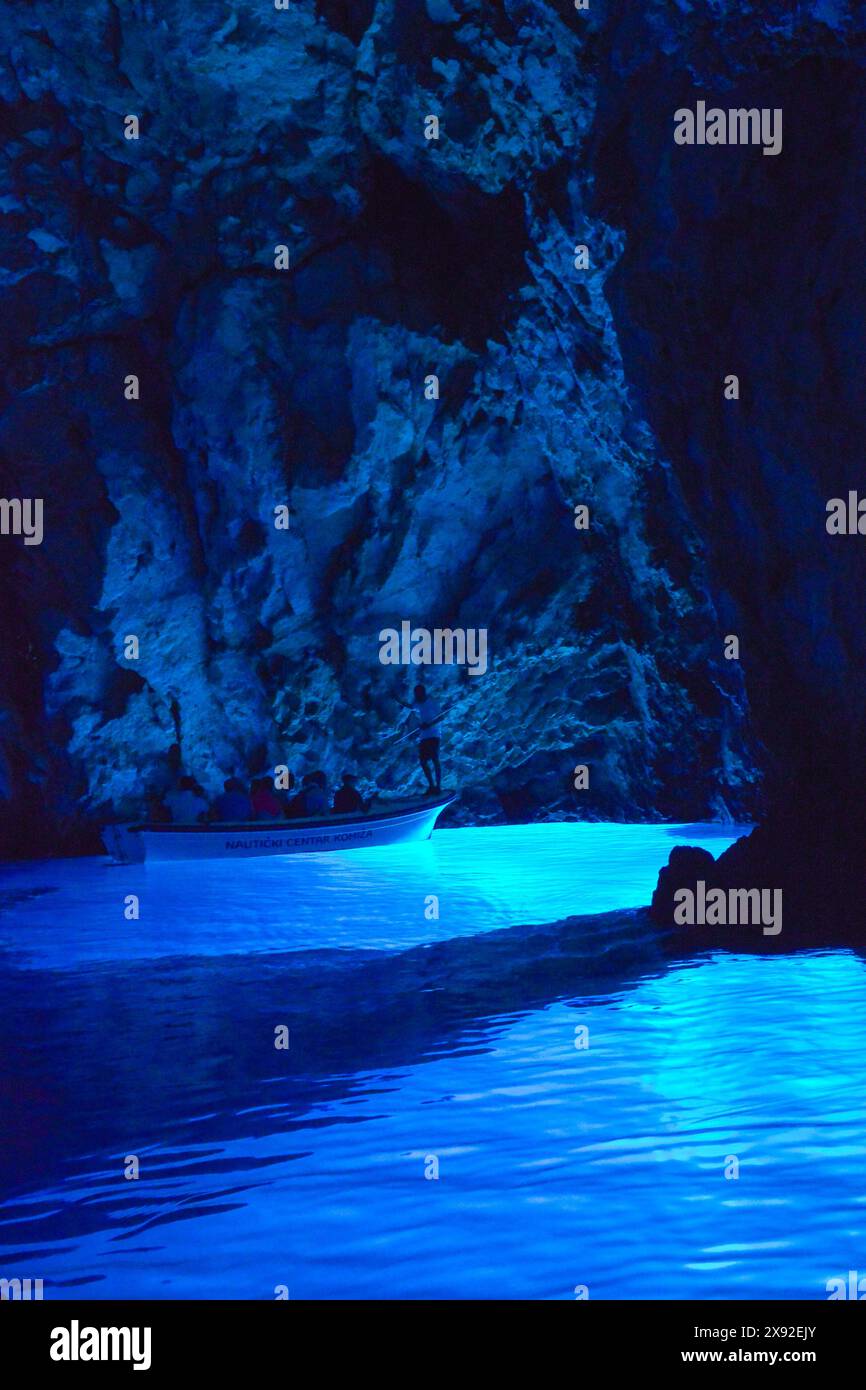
<point>259,388</point>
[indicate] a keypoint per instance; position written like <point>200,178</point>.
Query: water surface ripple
<point>419,1041</point>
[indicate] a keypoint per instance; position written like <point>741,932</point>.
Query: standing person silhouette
<point>427,713</point>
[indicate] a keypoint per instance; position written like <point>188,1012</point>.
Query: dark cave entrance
<point>738,263</point>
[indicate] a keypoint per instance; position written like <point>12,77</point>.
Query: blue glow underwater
<point>559,1166</point>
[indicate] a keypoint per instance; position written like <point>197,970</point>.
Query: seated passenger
<point>187,802</point>
<point>264,802</point>
<point>233,802</point>
<point>347,797</point>
<point>297,805</point>
<point>317,795</point>
<point>311,800</point>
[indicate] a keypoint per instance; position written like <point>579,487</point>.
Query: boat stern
<point>124,844</point>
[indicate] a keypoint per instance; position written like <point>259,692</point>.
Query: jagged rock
<point>686,865</point>
<point>408,257</point>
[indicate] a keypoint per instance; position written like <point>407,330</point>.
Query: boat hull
<point>153,843</point>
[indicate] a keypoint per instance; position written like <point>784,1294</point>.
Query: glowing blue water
<point>484,879</point>
<point>413,1039</point>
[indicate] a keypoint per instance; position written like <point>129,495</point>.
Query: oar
<point>409,732</point>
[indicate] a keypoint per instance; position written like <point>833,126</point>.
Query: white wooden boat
<point>387,824</point>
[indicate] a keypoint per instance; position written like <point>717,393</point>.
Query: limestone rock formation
<point>411,257</point>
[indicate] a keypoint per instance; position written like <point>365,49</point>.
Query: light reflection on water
<point>557,1166</point>
<point>484,878</point>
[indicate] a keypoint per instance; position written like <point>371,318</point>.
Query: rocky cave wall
<point>260,387</point>
<point>735,262</point>
<point>738,263</point>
